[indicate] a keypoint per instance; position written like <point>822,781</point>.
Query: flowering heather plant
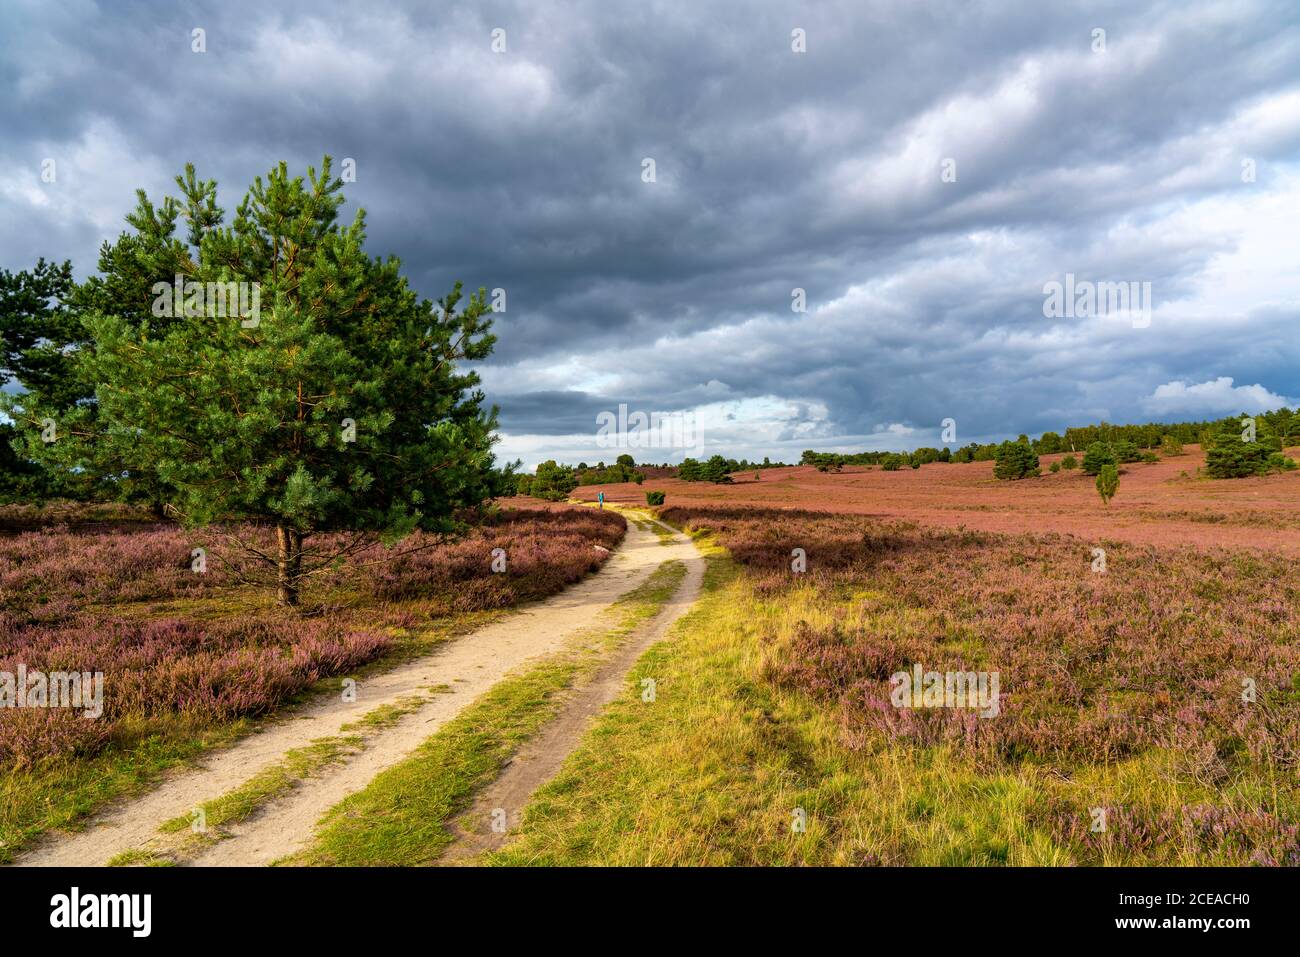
<point>42,570</point>
<point>1170,650</point>
<point>1165,688</point>
<point>153,668</point>
<point>62,590</point>
<point>545,551</point>
<point>1154,653</point>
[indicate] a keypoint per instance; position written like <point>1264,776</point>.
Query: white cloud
<point>1216,395</point>
<point>896,428</point>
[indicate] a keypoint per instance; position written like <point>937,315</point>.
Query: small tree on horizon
<point>715,471</point>
<point>1236,455</point>
<point>1098,456</point>
<point>1015,460</point>
<point>553,482</point>
<point>1107,483</point>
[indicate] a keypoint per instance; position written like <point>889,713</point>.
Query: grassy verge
<point>726,768</point>
<point>141,858</point>
<point>401,817</point>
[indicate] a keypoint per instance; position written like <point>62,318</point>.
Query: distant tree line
<point>718,468</point>
<point>1107,444</point>
<point>1229,454</point>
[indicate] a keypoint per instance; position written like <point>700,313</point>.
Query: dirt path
<point>468,666</point>
<point>540,759</point>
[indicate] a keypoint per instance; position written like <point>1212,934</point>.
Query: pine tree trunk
<point>288,566</point>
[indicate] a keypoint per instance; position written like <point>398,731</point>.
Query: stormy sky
<point>921,171</point>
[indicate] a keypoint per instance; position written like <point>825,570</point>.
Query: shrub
<point>1015,460</point>
<point>1098,456</point>
<point>1169,445</point>
<point>1108,482</point>
<point>553,482</point>
<point>654,498</point>
<point>715,471</point>
<point>1069,462</point>
<point>1233,456</point>
<point>1055,467</point>
<point>1126,451</point>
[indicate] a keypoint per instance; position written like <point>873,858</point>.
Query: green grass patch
<point>270,783</point>
<point>274,782</point>
<point>140,858</point>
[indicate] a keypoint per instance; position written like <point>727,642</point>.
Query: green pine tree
<point>1107,482</point>
<point>336,405</point>
<point>1236,453</point>
<point>715,470</point>
<point>1097,457</point>
<point>553,482</point>
<point>1015,460</point>
<point>35,328</point>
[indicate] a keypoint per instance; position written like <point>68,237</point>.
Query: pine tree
<point>553,482</point>
<point>1107,482</point>
<point>1235,455</point>
<point>1098,456</point>
<point>690,470</point>
<point>715,470</point>
<point>337,405</point>
<point>1015,460</point>
<point>1125,451</point>
<point>35,327</point>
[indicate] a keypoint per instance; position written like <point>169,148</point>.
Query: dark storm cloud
<point>775,170</point>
